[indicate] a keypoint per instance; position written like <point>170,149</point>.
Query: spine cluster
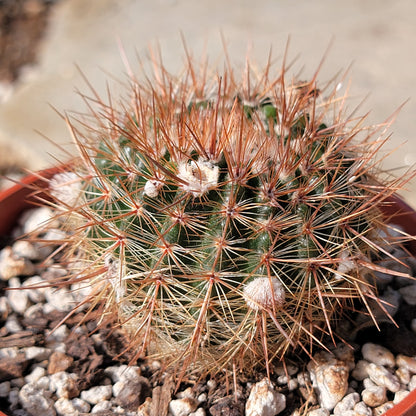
<point>223,223</point>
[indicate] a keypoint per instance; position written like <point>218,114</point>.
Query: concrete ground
<point>376,36</point>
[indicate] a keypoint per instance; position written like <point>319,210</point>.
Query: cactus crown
<point>224,222</point>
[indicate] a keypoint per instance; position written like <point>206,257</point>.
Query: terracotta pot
<point>24,195</point>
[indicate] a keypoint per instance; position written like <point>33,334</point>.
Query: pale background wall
<point>376,36</point>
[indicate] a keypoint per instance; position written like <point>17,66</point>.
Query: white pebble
<point>9,352</point>
<point>382,377</point>
<point>104,406</point>
<point>35,375</point>
<point>43,382</point>
<point>12,265</point>
<point>58,334</point>
<point>25,249</point>
<point>403,374</point>
<point>406,362</point>
<point>4,388</point>
<point>409,294</point>
<point>199,412</point>
<point>367,383</point>
<point>378,355</point>
<point>123,373</point>
<point>36,218</point>
<point>374,396</point>
<point>97,394</point>
<point>400,395</point>
<point>36,295</point>
<point>347,403</point>
<point>330,378</point>
<point>182,407</point>
<point>360,371</point>
<point>378,411</point>
<point>264,400</point>
<point>80,405</point>
<point>12,325</point>
<point>64,406</point>
<point>60,299</point>
<point>63,383</point>
<point>318,412</point>
<point>37,353</point>
<point>36,401</point>
<point>18,298</point>
<point>361,409</point>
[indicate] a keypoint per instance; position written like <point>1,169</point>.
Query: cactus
<point>224,223</point>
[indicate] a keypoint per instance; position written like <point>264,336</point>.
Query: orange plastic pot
<point>27,193</point>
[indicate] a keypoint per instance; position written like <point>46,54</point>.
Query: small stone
<point>80,405</point>
<point>35,219</point>
<point>36,401</point>
<point>12,325</point>
<point>360,371</point>
<point>400,395</point>
<point>59,361</point>
<point>36,295</point>
<point>380,410</point>
<point>4,388</point>
<point>43,383</point>
<point>59,334</point>
<point>25,249</point>
<point>264,400</point>
<point>367,382</point>
<point>18,298</point>
<point>318,412</point>
<point>347,403</point>
<point>12,265</point>
<point>378,355</point>
<point>406,362</point>
<point>123,373</point>
<point>65,384</point>
<point>35,375</point>
<point>199,412</point>
<point>374,396</point>
<point>97,394</point>
<point>64,406</point>
<point>130,394</point>
<point>104,406</point>
<point>37,353</point>
<point>382,377</point>
<point>409,294</point>
<point>403,374</point>
<point>60,299</point>
<point>330,378</point>
<point>182,407</point>
<point>361,409</point>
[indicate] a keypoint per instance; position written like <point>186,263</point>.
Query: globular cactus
<point>224,223</point>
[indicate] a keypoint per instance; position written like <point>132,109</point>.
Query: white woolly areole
<point>152,187</point>
<point>264,293</point>
<point>200,176</point>
<point>65,187</point>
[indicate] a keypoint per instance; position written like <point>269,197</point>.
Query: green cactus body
<point>224,227</point>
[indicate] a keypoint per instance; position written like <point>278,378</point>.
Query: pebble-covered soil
<point>51,366</point>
